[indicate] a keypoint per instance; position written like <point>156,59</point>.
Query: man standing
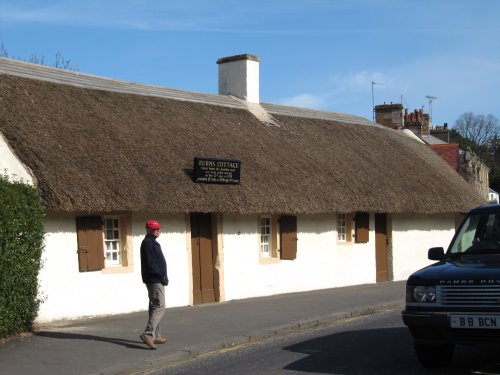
<point>154,275</point>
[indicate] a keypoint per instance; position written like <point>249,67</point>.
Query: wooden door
<point>381,242</point>
<point>203,259</point>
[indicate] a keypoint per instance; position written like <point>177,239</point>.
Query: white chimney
<point>239,76</point>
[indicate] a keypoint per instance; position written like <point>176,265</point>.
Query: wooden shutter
<point>288,237</point>
<point>348,227</point>
<point>362,227</point>
<point>90,243</point>
<point>125,242</point>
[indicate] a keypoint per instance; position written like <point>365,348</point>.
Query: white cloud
<point>124,14</point>
<point>357,81</point>
<point>459,83</point>
<point>305,100</point>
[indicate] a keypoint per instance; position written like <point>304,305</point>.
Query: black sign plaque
<point>216,171</point>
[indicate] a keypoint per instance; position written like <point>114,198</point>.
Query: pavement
<point>111,345</point>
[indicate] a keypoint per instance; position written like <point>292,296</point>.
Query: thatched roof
<point>95,147</point>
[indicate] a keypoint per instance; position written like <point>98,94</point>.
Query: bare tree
<point>34,59</point>
<point>480,134</point>
<point>60,62</point>
<point>63,63</point>
<point>3,51</point>
<point>480,129</point>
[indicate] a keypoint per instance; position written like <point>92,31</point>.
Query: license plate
<point>475,321</point>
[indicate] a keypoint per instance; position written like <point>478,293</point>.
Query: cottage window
<point>344,228</point>
<point>266,245</point>
<point>341,230</point>
<point>112,241</point>
<point>278,238</point>
<point>104,243</point>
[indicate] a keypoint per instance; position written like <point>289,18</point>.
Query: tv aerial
<point>373,99</point>
<point>430,98</point>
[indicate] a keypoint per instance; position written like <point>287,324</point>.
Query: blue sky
<point>320,54</point>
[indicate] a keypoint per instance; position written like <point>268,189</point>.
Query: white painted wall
<point>11,166</point>
<point>320,263</point>
<point>413,236</point>
<point>69,293</point>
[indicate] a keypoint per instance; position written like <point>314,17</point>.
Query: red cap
<point>152,224</point>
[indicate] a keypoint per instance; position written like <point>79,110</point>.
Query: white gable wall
<point>11,166</point>
<point>413,236</point>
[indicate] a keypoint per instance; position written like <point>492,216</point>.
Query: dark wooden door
<point>202,247</point>
<point>381,242</point>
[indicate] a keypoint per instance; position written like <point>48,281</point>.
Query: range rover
<point>457,299</point>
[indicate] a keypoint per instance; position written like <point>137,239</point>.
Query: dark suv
<point>457,299</point>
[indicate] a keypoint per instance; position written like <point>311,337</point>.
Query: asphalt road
<point>375,344</point>
<point>111,345</point>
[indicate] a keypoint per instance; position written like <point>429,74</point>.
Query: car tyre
<point>434,355</point>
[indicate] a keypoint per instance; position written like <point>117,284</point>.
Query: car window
<point>478,232</point>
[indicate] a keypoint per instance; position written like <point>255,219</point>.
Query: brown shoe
<point>160,340</point>
<point>148,340</point>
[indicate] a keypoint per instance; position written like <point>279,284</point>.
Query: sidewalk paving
<point>112,345</point>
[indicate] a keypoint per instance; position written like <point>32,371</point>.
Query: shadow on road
<point>76,336</point>
<point>387,351</point>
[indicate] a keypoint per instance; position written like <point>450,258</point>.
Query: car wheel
<point>434,355</point>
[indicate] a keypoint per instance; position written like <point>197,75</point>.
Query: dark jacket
<point>153,264</point>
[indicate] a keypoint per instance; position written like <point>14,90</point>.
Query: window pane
<point>341,227</point>
<point>265,236</point>
<point>112,241</point>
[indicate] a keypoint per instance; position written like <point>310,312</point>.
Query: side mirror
<point>436,253</point>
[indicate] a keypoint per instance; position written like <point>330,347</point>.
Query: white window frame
<point>341,228</point>
<point>266,240</point>
<point>112,241</point>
